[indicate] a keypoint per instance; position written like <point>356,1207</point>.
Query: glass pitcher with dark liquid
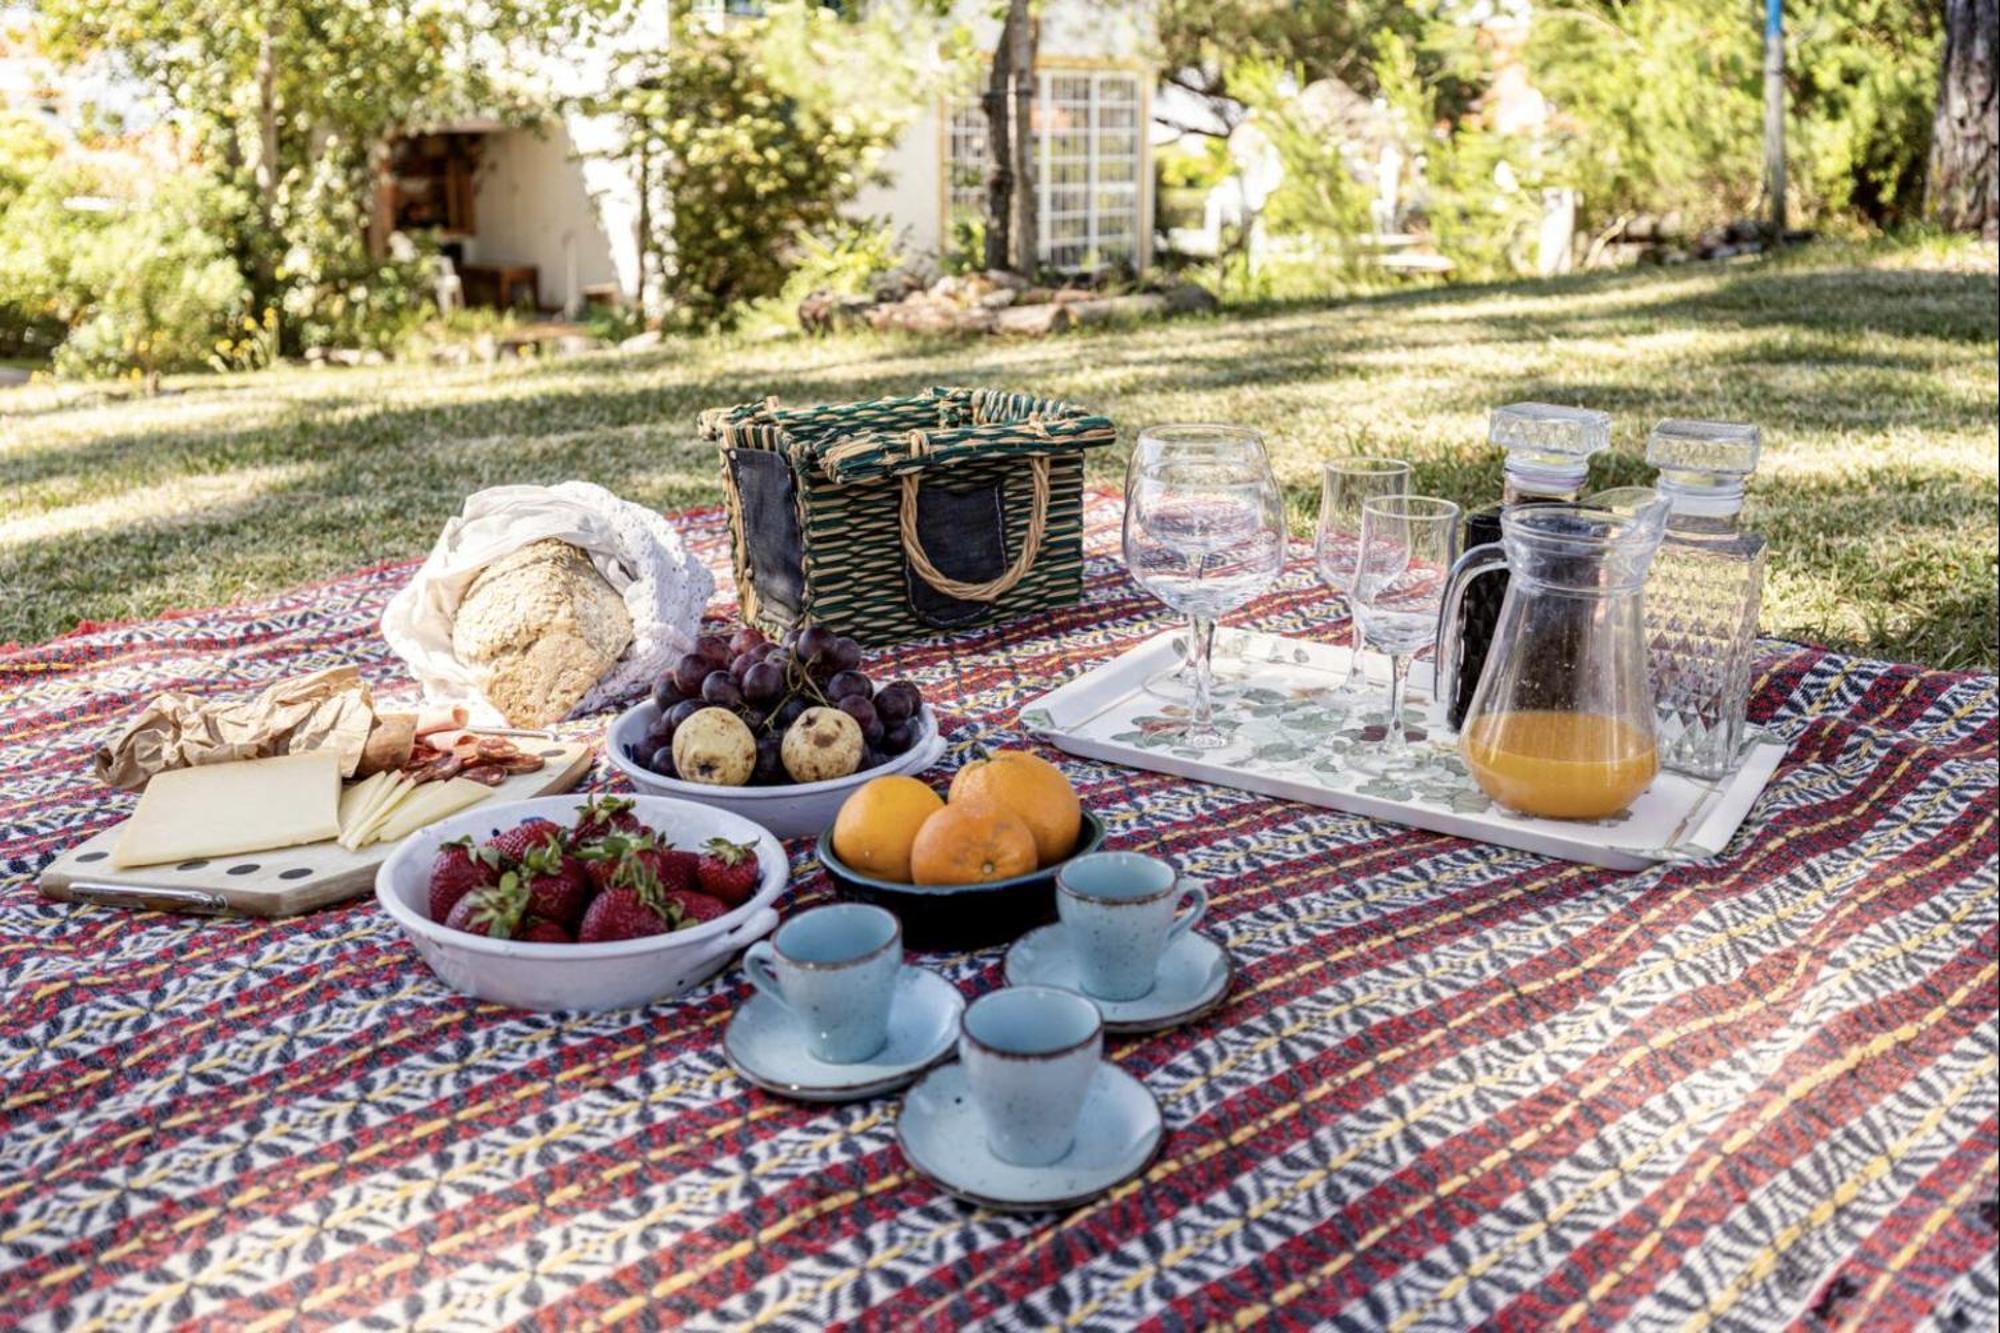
<point>1561,722</point>
<point>1548,449</point>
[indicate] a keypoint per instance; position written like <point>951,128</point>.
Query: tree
<point>756,133</point>
<point>289,100</point>
<point>1012,228</point>
<point>1963,191</point>
<point>1203,41</point>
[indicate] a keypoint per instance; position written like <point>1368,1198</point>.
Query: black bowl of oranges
<point>973,867</point>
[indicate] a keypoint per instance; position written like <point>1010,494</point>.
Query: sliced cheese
<point>359,798</point>
<point>392,784</point>
<point>399,788</point>
<point>249,805</point>
<point>433,801</point>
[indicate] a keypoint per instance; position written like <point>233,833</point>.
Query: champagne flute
<point>1204,533</point>
<point>1408,544</point>
<point>1345,485</point>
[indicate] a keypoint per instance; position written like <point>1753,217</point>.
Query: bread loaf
<point>538,628</point>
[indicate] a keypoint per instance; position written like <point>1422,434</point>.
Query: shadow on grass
<point>1829,357</point>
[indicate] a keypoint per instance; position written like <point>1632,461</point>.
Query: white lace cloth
<point>637,551</point>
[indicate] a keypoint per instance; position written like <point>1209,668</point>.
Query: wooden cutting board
<point>281,882</point>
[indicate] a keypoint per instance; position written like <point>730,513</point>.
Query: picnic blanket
<point>1454,1083</point>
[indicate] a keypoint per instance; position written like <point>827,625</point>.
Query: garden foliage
<point>752,136</point>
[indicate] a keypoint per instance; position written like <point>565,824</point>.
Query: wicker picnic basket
<point>901,517</point>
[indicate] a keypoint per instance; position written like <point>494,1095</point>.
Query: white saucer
<point>1117,1136</point>
<point>1195,973</point>
<point>765,1046</point>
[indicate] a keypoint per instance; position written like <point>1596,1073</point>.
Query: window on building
<point>1088,147</point>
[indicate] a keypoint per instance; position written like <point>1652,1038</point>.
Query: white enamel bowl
<point>795,810</point>
<point>617,974</point>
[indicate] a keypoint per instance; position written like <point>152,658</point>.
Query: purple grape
<point>845,654</point>
<point>746,639</point>
<point>721,691</point>
<point>763,683</point>
<point>666,693</point>
<point>816,643</point>
<point>662,762</point>
<point>790,637</point>
<point>740,666</point>
<point>689,673</point>
<point>770,769</point>
<point>660,733</point>
<point>788,712</point>
<point>863,712</point>
<point>680,713</point>
<point>897,737</point>
<point>845,683</point>
<point>872,757</point>
<point>714,647</point>
<point>898,700</point>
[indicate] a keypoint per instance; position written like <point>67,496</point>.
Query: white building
<point>506,202</point>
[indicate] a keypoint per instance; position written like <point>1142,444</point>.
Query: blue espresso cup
<point>1122,910</point>
<point>834,968</point>
<point>1030,1053</point>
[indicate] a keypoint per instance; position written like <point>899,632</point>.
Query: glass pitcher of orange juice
<point>1561,723</point>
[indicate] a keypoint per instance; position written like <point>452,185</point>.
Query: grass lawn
<point>1871,371</point>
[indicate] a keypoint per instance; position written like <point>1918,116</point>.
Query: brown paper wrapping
<point>330,709</point>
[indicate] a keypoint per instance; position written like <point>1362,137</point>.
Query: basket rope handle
<point>993,589</point>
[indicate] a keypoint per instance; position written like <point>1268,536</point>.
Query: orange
<point>1033,789</point>
<point>971,845</point>
<point>877,824</point>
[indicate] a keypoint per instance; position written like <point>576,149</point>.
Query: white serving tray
<point>1285,745</point>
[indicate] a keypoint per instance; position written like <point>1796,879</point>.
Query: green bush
<point>163,286</point>
<point>756,133</point>
<point>27,156</point>
<point>1659,106</point>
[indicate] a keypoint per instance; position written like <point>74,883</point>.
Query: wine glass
<point>1344,486</point>
<point>1204,533</point>
<point>1408,544</point>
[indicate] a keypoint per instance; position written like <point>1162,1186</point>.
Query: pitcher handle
<point>1450,645</point>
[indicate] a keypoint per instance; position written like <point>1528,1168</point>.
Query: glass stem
<point>1353,682</point>
<point>1395,745</point>
<point>1201,646</point>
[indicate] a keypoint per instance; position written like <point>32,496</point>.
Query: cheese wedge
<point>430,803</point>
<point>359,798</point>
<point>250,805</point>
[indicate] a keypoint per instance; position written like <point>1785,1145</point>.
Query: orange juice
<point>1559,765</point>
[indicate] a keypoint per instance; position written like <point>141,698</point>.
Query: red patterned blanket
<point>1454,1084</point>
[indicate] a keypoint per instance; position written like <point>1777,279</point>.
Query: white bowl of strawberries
<point>561,903</point>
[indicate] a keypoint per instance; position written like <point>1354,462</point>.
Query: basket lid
<point>854,442</point>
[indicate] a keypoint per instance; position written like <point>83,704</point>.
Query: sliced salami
<point>522,763</point>
<point>491,775</point>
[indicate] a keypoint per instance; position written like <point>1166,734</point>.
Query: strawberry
<point>558,886</point>
<point>493,909</point>
<point>728,871</point>
<point>602,815</point>
<point>695,908</point>
<point>606,858</point>
<point>457,869</point>
<point>540,930</point>
<point>626,912</point>
<point>515,842</point>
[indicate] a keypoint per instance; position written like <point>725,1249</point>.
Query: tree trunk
<point>1964,188</point>
<point>999,149</point>
<point>267,154</point>
<point>1027,229</point>
<point>1774,117</point>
